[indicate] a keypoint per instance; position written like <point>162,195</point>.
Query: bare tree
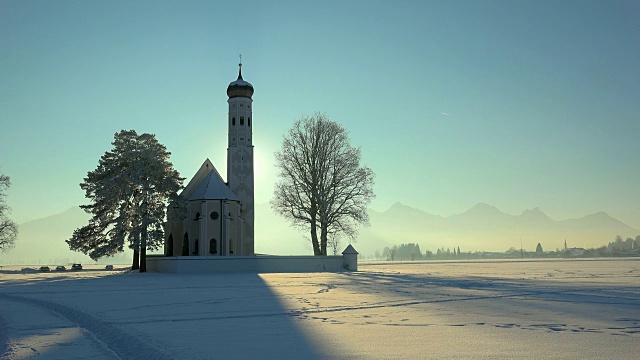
<point>8,228</point>
<point>322,186</point>
<point>334,243</point>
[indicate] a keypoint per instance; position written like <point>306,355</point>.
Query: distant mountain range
<point>482,227</point>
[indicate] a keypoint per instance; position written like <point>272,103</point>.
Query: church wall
<point>205,223</point>
<point>193,227</point>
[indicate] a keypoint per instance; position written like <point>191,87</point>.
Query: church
<point>216,218</point>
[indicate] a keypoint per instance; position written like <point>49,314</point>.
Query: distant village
<point>411,252</point>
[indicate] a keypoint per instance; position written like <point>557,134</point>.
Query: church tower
<point>240,155</point>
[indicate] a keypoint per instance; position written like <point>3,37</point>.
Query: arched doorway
<point>170,245</point>
<point>213,247</point>
<point>185,245</point>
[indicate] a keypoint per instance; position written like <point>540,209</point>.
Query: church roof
<point>240,88</point>
<point>207,184</point>
<point>213,188</point>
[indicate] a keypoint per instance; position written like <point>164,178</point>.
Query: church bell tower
<point>240,155</point>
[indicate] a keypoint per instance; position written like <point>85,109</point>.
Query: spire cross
<point>240,68</point>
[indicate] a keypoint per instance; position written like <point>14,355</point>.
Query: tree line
<point>410,252</point>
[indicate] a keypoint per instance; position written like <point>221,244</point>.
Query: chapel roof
<point>213,188</point>
<point>207,184</point>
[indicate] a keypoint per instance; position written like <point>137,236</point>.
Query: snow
<point>582,309</point>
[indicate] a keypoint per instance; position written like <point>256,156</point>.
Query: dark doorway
<point>185,245</point>
<point>213,246</point>
<point>170,245</point>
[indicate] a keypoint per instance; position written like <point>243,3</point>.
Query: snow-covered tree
<point>8,228</point>
<point>129,191</point>
<point>322,187</point>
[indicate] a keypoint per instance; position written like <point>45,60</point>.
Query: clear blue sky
<point>518,104</point>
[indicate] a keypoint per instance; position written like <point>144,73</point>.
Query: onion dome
<point>240,88</point>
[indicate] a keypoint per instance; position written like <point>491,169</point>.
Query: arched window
<point>233,121</point>
<point>170,245</point>
<point>213,246</point>
<point>248,121</point>
<point>195,251</point>
<point>185,245</point>
<point>241,120</point>
<point>197,216</point>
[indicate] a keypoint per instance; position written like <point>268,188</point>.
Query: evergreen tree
<point>128,191</point>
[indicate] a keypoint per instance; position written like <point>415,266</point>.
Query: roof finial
<point>240,71</point>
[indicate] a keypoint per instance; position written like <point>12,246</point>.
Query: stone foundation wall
<point>257,264</point>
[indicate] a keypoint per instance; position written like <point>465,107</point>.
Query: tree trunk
<point>323,240</point>
<point>143,250</point>
<point>314,239</point>
<point>136,260</point>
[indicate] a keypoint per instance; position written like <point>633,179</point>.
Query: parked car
<point>60,268</point>
<point>76,267</point>
<point>44,269</point>
<point>108,267</point>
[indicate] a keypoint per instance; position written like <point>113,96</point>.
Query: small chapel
<point>216,218</point>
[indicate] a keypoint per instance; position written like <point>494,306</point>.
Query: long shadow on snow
<point>175,316</point>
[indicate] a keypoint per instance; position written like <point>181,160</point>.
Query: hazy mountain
<point>482,227</point>
<point>42,241</point>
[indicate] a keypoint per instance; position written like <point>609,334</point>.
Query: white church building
<point>211,229</point>
<point>219,216</point>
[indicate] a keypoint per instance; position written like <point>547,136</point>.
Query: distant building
<point>217,218</point>
<point>575,252</point>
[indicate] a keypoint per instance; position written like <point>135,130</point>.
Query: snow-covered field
<point>492,309</point>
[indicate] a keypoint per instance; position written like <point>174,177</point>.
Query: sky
<point>518,104</point>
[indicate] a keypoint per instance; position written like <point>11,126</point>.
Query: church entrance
<point>185,245</point>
